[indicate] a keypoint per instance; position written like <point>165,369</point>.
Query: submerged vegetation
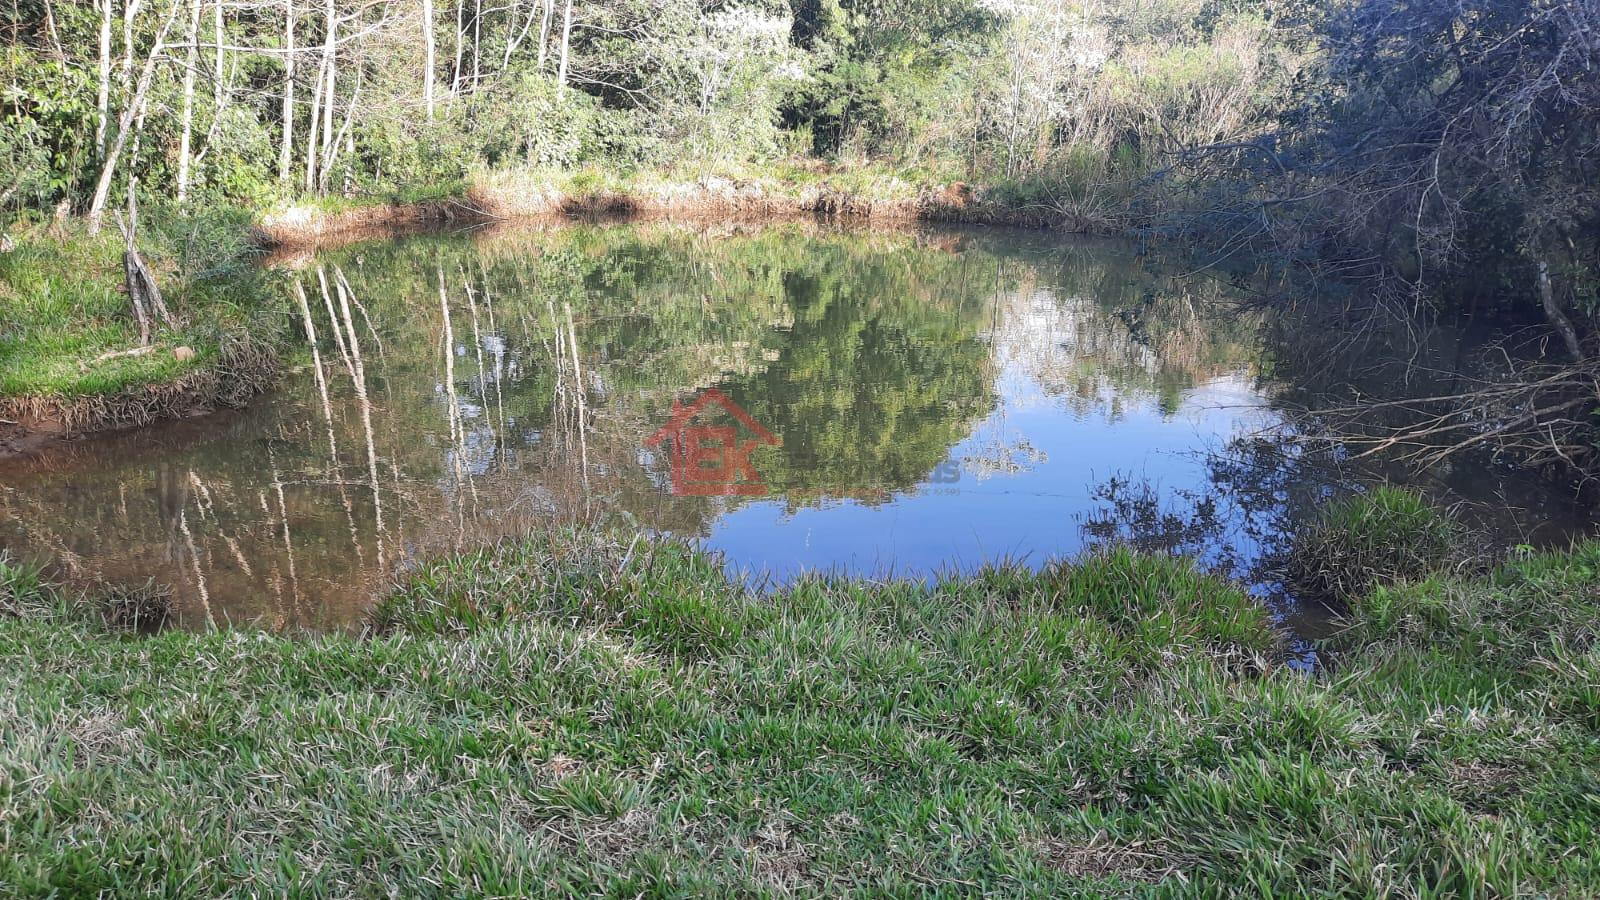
<point>607,714</point>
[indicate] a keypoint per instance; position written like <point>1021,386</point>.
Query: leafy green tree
<point>868,51</point>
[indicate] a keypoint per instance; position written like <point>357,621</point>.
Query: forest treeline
<point>1439,151</point>
<point>253,99</point>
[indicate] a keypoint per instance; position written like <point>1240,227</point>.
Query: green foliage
<point>23,153</point>
<point>648,83</point>
<point>871,56</point>
<point>46,126</point>
<point>527,121</point>
<point>237,143</point>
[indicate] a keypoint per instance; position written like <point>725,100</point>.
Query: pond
<point>797,397</point>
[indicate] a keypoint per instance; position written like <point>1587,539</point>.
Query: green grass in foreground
<point>609,716</point>
<point>62,306</point>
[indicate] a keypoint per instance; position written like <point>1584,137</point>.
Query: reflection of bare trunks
<point>350,292</point>
<point>581,395</point>
<point>359,374</point>
<point>336,471</point>
<point>453,412</point>
<point>199,575</point>
<point>497,374</point>
<point>333,317</point>
<point>288,541</point>
<point>477,342</point>
<point>172,495</point>
<point>569,415</point>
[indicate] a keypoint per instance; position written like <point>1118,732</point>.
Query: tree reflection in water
<point>942,399</point>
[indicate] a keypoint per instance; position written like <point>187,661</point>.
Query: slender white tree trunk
<point>477,41</point>
<point>54,33</point>
<point>345,139</point>
<point>514,33</point>
<point>103,97</point>
<point>566,47</point>
<point>312,130</point>
<point>349,136</point>
<point>286,149</point>
<point>547,11</point>
<point>455,76</point>
<point>186,134</point>
<point>129,13</point>
<point>329,51</point>
<point>102,188</point>
<point>428,56</point>
<point>221,96</point>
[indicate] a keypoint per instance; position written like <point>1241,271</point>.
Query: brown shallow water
<point>934,401</point>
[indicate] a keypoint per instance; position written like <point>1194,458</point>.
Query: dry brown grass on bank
<point>533,196</point>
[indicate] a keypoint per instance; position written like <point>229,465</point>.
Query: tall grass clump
<point>23,588</point>
<point>1385,536</point>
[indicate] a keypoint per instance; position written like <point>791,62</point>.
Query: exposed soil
<point>308,226</point>
<point>956,203</point>
<point>17,439</point>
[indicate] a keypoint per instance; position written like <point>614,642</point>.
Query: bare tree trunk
<point>143,294</point>
<point>133,277</point>
<point>103,96</point>
<point>313,129</point>
<point>514,34</point>
<point>477,42</point>
<point>222,84</point>
<point>129,13</point>
<point>455,76</point>
<point>102,189</point>
<point>186,138</point>
<point>329,51</point>
<point>53,32</point>
<point>286,149</point>
<point>1557,318</point>
<point>345,138</point>
<point>428,56</point>
<point>566,46</point>
<point>329,147</point>
<point>220,98</point>
<point>350,141</point>
<point>547,11</point>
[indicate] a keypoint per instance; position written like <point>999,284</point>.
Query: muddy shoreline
<point>953,204</point>
<point>244,369</point>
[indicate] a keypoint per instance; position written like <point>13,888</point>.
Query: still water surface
<point>934,401</point>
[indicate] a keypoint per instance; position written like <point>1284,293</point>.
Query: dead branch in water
<point>1541,418</point>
